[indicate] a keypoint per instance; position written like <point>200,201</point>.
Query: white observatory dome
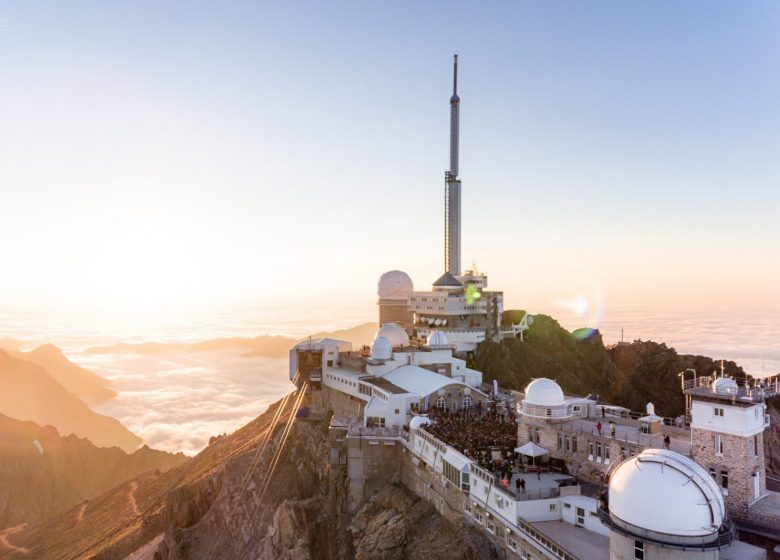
<point>381,349</point>
<point>419,421</point>
<point>724,386</point>
<point>395,333</point>
<point>395,284</point>
<point>543,392</point>
<point>666,492</point>
<point>437,338</point>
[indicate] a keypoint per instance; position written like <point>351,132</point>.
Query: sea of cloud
<point>178,400</point>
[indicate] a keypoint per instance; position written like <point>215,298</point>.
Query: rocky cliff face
<point>42,473</point>
<point>213,506</point>
<point>772,437</point>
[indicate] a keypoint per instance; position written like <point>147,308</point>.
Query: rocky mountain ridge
<point>43,473</point>
<point>214,506</point>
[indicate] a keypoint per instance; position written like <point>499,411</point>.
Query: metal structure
<point>452,186</point>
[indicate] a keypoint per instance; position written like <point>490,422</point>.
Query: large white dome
<point>395,284</point>
<point>543,392</point>
<point>666,492</point>
<point>381,349</point>
<point>395,333</point>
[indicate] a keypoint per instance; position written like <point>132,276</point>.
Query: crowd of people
<point>486,435</point>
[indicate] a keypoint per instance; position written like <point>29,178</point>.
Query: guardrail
<point>726,534</point>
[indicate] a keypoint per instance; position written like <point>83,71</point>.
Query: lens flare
<point>588,308</point>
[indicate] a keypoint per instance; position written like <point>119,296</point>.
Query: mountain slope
<point>42,473</point>
<point>212,506</point>
<point>83,383</point>
<point>28,392</point>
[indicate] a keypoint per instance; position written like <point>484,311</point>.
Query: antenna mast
<point>452,184</point>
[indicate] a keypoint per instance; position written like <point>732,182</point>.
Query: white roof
<point>394,333</point>
<point>457,459</point>
<point>420,381</point>
<point>531,450</point>
<point>394,284</point>
<point>375,405</point>
<point>664,491</point>
<point>544,392</point>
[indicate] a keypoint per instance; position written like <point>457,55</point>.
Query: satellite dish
<point>421,319</point>
<point>444,321</point>
<point>437,322</point>
<point>431,320</point>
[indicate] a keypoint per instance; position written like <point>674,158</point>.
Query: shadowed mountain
<point>88,386</point>
<point>214,506</point>
<point>28,392</point>
<point>42,473</point>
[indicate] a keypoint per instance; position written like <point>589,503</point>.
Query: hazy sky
<point>155,155</point>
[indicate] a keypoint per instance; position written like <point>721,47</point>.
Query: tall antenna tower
<point>452,185</point>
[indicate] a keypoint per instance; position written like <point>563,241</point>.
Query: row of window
<point>567,444</point>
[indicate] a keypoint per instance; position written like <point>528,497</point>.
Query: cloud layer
<point>178,401</point>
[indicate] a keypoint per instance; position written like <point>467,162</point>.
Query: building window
<point>724,479</point>
<point>441,403</point>
<point>717,411</point>
<point>755,446</point>
<point>552,507</point>
<point>590,450</point>
<point>718,444</point>
<point>560,442</point>
<point>468,402</point>
<point>576,408</point>
<point>639,550</point>
<point>713,475</point>
<point>533,434</point>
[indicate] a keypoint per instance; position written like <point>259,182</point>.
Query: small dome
<point>725,386</point>
<point>381,349</point>
<point>395,284</point>
<point>419,421</point>
<point>543,392</point>
<point>666,492</point>
<point>395,333</point>
<point>437,338</point>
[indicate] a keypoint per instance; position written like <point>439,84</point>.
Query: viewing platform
<point>630,431</point>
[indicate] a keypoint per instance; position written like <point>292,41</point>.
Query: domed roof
<point>725,386</point>
<point>395,333</point>
<point>419,421</point>
<point>664,491</point>
<point>543,392</point>
<point>437,338</point>
<point>381,349</point>
<point>395,284</point>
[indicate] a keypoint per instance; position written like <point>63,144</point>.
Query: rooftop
<point>584,544</point>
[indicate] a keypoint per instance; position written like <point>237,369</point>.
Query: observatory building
<point>540,473</point>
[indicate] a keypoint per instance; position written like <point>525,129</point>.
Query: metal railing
<point>725,535</point>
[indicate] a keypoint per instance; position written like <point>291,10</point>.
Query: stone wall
<point>738,459</point>
<point>577,462</point>
<point>371,464</point>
